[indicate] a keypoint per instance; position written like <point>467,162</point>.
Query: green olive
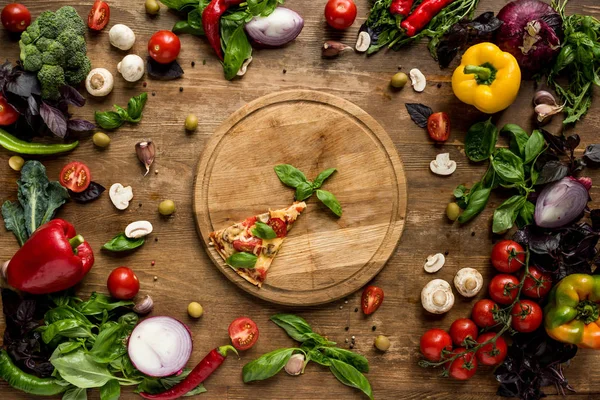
<point>195,310</point>
<point>191,123</point>
<point>16,162</point>
<point>452,211</point>
<point>166,207</point>
<point>399,80</point>
<point>152,7</point>
<point>101,139</point>
<point>382,343</point>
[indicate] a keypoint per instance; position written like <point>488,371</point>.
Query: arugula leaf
<point>350,376</point>
<point>263,231</point>
<point>267,365</point>
<point>330,201</point>
<point>242,260</point>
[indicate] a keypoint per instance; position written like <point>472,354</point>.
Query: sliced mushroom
<point>468,282</point>
<point>443,165</point>
<point>417,80</point>
<point>434,263</point>
<point>244,67</point>
<point>363,41</point>
<point>138,229</point>
<point>120,196</point>
<point>437,296</point>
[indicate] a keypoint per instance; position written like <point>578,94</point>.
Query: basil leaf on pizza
<point>242,260</point>
<point>330,201</point>
<point>290,175</point>
<point>263,231</point>
<point>318,182</point>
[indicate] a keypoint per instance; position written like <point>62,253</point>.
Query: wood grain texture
<point>324,258</point>
<point>185,272</point>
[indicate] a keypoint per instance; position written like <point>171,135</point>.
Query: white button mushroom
<point>99,82</point>
<point>443,165</point>
<point>434,263</point>
<point>131,67</point>
<point>121,36</point>
<point>138,229</point>
<point>468,282</point>
<point>437,297</point>
<point>417,79</point>
<point>120,196</point>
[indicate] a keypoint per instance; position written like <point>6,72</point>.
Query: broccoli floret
<point>74,76</point>
<point>69,19</point>
<point>51,78</point>
<point>76,61</point>
<point>74,44</point>
<point>49,26</point>
<point>31,57</point>
<point>43,43</point>
<point>31,34</point>
<point>54,54</point>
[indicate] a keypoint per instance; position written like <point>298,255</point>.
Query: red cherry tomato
<point>247,246</point>
<point>371,300</point>
<point>8,115</point>
<point>491,353</point>
<point>438,126</point>
<point>249,221</point>
<point>279,226</point>
<point>164,47</point>
<point>75,176</point>
<point>504,288</point>
<point>508,256</point>
<point>15,17</point>
<point>537,284</point>
<point>461,330</point>
<point>464,367</point>
<point>98,16</point>
<point>340,14</point>
<point>243,333</point>
<point>483,313</point>
<point>433,342</point>
<point>526,316</point>
<point>123,284</point>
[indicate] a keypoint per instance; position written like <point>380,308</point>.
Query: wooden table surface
<point>183,268</point>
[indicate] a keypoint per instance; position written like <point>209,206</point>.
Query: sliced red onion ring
<point>160,346</point>
<point>280,27</point>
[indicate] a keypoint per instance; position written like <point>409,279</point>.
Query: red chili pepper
<point>211,16</point>
<point>53,259</point>
<point>203,370</point>
<point>422,15</point>
<point>401,7</point>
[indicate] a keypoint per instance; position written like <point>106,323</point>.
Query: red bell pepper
<point>53,259</point>
<point>211,18</point>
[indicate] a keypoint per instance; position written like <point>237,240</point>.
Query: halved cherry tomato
<point>247,246</point>
<point>75,176</point>
<point>371,300</point>
<point>508,256</point>
<point>98,16</point>
<point>340,14</point>
<point>464,367</point>
<point>526,316</point>
<point>123,284</point>
<point>537,284</point>
<point>438,126</point>
<point>8,115</point>
<point>279,226</point>
<point>433,343</point>
<point>463,329</point>
<point>243,333</point>
<point>504,288</point>
<point>491,353</point>
<point>483,313</point>
<point>15,17</point>
<point>164,47</point>
<point>249,221</point>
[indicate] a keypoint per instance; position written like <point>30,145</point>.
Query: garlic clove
<point>545,112</point>
<point>295,364</point>
<point>434,263</point>
<point>145,151</point>
<point>417,79</point>
<point>333,49</point>
<point>442,165</point>
<point>138,229</point>
<point>543,97</point>
<point>120,195</point>
<point>144,306</point>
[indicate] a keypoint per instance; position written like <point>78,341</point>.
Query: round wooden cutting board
<point>323,257</point>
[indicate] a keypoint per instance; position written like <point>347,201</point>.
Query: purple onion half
<point>560,203</point>
<point>280,27</point>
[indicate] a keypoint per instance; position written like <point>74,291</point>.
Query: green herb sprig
<point>111,120</point>
<point>122,243</point>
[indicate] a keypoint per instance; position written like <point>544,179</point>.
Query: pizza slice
<point>250,246</point>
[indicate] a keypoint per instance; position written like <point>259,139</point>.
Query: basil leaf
<point>296,327</point>
<point>350,376</point>
<point>108,120</point>
<point>318,357</point>
<point>179,5</point>
<point>318,182</point>
<point>110,342</point>
<point>263,231</point>
<point>526,214</point>
<point>518,138</point>
<point>419,113</point>
<point>480,140</point>
<point>263,8</point>
<point>185,27</point>
<point>592,153</point>
<point>506,214</point>
<point>477,202</point>
<point>123,243</point>
<point>242,260</point>
<point>135,106</point>
<point>75,393</point>
<point>69,328</point>
<point>194,19</point>
<point>330,201</point>
<point>290,175</point>
<point>534,146</point>
<point>111,390</point>
<point>303,191</point>
<point>237,50</point>
<point>356,360</point>
<point>98,303</point>
<point>267,365</point>
<point>508,166</point>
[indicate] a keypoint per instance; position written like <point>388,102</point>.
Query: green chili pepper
<point>9,142</point>
<point>26,382</point>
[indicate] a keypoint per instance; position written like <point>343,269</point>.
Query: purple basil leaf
<point>54,119</point>
<point>91,193</point>
<point>164,72</point>
<point>592,153</point>
<point>24,85</point>
<point>80,125</point>
<point>33,108</point>
<point>419,113</point>
<point>72,96</point>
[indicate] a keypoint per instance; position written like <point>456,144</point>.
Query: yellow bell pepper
<point>487,78</point>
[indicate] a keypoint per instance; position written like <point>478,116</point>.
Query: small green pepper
<point>11,143</point>
<point>25,382</point>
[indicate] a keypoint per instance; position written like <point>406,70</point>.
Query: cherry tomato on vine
<point>537,284</point>
<point>123,284</point>
<point>464,367</point>
<point>527,316</point>
<point>15,17</point>
<point>340,14</point>
<point>8,115</point>
<point>508,256</point>
<point>483,313</point>
<point>438,126</point>
<point>243,333</point>
<point>433,342</point>
<point>461,329</point>
<point>491,353</point>
<point>371,299</point>
<point>98,16</point>
<point>503,288</point>
<point>164,47</point>
<point>75,176</point>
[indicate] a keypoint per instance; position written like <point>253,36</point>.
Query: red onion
<point>160,346</point>
<point>531,31</point>
<point>560,202</point>
<point>280,27</point>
